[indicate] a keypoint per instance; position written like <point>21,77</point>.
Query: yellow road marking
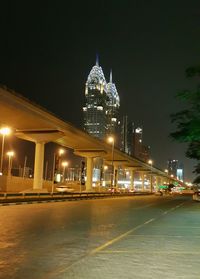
<point>119,237</point>
<point>107,244</point>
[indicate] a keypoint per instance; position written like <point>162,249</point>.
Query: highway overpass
<point>31,122</point>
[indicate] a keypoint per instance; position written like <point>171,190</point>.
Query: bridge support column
<point>132,180</point>
<point>157,182</point>
<point>38,165</point>
<point>89,174</point>
<point>115,182</point>
<point>151,183</point>
<point>142,176</point>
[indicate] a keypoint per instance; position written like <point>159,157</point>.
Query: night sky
<point>49,47</point>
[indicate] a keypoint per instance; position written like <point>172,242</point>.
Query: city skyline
<point>47,51</point>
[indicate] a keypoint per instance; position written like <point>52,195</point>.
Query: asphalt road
<point>129,237</point>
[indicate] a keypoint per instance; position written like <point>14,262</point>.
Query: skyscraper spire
<point>111,76</point>
<point>97,59</point>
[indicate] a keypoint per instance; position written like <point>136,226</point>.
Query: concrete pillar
<point>162,180</point>
<point>38,165</point>
<point>157,182</point>
<point>142,175</point>
<point>151,183</point>
<point>132,179</point>
<point>115,184</point>
<point>89,174</point>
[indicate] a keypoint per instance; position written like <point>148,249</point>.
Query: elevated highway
<point>31,122</point>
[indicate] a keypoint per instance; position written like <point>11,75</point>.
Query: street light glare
<point>150,162</point>
<point>65,164</point>
<point>61,151</point>
<point>10,153</point>
<point>5,131</point>
<point>110,139</point>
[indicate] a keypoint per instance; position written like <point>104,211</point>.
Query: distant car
<point>113,190</point>
<point>131,190</point>
<point>64,188</point>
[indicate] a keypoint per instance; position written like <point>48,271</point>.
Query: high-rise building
<point>176,169</point>
<point>113,104</point>
<point>140,150</point>
<point>172,166</point>
<point>102,103</point>
<point>137,141</point>
<point>131,140</point>
<point>127,129</point>
<point>95,109</point>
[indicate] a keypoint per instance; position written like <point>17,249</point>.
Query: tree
<point>188,121</point>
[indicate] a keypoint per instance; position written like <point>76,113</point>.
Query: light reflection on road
<point>40,239</point>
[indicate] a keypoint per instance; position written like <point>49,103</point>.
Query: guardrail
<point>30,197</point>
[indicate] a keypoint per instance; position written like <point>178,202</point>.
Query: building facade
<point>101,108</point>
<point>127,129</point>
<point>131,140</point>
<point>176,169</point>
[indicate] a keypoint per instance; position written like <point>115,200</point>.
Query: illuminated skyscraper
<point>101,104</point>
<point>131,140</point>
<point>172,166</point>
<point>127,130</point>
<point>113,104</point>
<point>176,169</point>
<point>94,111</point>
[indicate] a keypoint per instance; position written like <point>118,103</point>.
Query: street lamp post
<point>150,162</point>
<point>60,152</point>
<point>10,156</point>
<point>112,140</point>
<point>4,132</point>
<point>64,164</point>
<point>104,174</point>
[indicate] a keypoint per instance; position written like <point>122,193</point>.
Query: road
<point>128,237</point>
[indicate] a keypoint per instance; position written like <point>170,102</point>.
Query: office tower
<point>95,109</point>
<point>101,109</point>
<point>172,166</point>
<point>176,169</point>
<point>140,150</point>
<point>113,104</point>
<point>127,130</point>
<point>137,142</point>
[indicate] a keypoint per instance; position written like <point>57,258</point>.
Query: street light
<point>10,156</point>
<point>112,140</point>
<point>105,169</point>
<point>150,162</point>
<point>64,164</point>
<point>59,152</point>
<point>4,132</point>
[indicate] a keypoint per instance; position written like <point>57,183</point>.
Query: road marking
<point>119,237</point>
<point>98,249</point>
<point>139,251</point>
<point>105,245</point>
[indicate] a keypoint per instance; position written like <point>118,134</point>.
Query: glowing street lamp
<point>104,179</point>
<point>59,152</point>
<point>112,140</point>
<point>64,164</point>
<point>4,132</point>
<point>10,156</point>
<point>150,162</point>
